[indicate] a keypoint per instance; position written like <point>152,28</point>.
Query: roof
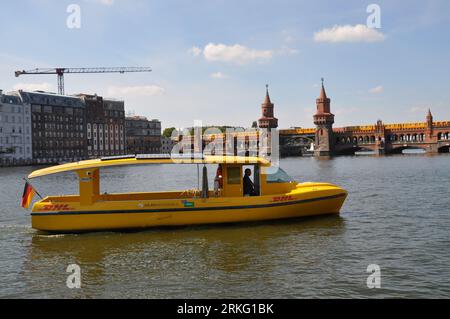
<point>146,160</point>
<point>10,99</point>
<point>323,94</point>
<point>52,99</point>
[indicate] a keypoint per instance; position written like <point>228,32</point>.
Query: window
<point>234,175</point>
<point>279,177</point>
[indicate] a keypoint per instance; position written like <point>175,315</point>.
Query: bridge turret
<point>429,119</point>
<point>324,120</point>
<point>268,120</point>
<point>430,129</point>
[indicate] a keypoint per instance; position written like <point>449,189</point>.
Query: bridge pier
<point>320,153</point>
<point>432,148</point>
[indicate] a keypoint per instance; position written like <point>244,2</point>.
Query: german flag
<point>28,194</point>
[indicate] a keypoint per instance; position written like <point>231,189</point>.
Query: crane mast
<point>61,71</point>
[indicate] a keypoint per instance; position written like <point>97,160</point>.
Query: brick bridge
<point>380,138</point>
<point>431,136</point>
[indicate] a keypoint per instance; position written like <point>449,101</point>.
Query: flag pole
<point>26,180</point>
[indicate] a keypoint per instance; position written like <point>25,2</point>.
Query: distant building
<point>166,145</point>
<point>15,130</point>
<point>58,125</point>
<point>143,136</point>
<point>105,125</point>
<point>115,116</point>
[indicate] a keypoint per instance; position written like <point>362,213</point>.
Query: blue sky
<point>211,59</point>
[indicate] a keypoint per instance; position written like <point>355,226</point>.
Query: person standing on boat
<point>249,188</point>
<point>218,180</point>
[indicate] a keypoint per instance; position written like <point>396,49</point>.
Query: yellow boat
<point>275,196</point>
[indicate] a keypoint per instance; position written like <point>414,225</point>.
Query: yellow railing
<point>350,129</point>
<point>298,131</point>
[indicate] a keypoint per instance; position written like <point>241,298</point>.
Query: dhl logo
<point>52,208</point>
<point>282,198</point>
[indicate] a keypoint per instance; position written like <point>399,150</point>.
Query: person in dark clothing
<point>249,188</point>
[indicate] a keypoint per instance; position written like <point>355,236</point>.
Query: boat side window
<point>279,176</point>
<point>234,175</point>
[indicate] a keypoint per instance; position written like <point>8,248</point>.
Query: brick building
<point>143,136</point>
<point>105,126</point>
<point>58,127</point>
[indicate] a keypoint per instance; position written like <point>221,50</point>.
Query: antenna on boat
<point>198,177</point>
<point>205,190</point>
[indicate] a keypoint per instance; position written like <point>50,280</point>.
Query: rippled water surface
<point>397,216</point>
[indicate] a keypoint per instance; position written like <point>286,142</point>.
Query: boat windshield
<point>279,177</point>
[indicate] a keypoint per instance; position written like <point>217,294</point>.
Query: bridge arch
<point>352,149</point>
<point>400,149</point>
<point>444,149</point>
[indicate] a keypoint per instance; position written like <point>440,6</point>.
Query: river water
<point>397,216</point>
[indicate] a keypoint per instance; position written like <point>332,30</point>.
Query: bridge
<point>296,141</point>
<point>432,137</point>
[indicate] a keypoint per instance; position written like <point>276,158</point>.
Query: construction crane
<point>61,71</point>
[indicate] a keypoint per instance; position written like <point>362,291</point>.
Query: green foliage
<point>168,131</point>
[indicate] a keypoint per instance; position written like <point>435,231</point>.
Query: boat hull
<point>140,215</point>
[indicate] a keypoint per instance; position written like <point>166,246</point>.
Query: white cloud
<point>218,75</point>
<point>418,109</point>
<point>237,53</point>
<point>286,50</point>
<point>146,90</point>
<point>33,87</point>
<point>377,90</point>
<point>349,33</point>
<point>103,2</point>
<point>106,2</point>
<point>195,51</point>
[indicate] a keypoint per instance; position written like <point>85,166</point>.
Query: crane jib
<point>61,71</point>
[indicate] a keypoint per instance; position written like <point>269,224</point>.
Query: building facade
<point>15,130</point>
<point>143,135</point>
<point>105,126</point>
<point>115,119</point>
<point>166,145</point>
<point>58,126</point>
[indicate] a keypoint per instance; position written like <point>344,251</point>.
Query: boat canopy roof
<point>149,159</point>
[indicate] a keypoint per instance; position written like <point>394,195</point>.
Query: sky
<point>211,59</point>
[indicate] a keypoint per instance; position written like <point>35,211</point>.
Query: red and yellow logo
<point>282,198</point>
<point>53,208</point>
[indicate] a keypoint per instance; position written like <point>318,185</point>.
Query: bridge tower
<point>429,126</point>
<point>324,120</point>
<point>267,120</point>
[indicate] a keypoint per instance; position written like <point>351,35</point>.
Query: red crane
<point>61,71</point>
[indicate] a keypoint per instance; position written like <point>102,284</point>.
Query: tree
<point>255,124</point>
<point>168,131</point>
